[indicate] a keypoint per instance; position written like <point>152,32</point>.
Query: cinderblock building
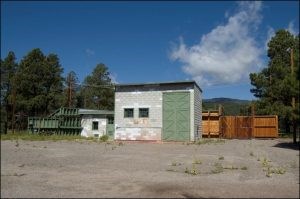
<point>167,111</point>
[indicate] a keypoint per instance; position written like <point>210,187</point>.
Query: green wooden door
<point>110,127</point>
<point>176,116</point>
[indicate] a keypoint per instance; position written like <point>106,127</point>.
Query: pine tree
<point>8,69</point>
<point>277,84</point>
<point>39,83</point>
<point>97,89</point>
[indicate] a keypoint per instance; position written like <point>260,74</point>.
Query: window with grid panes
<point>143,112</point>
<point>128,112</point>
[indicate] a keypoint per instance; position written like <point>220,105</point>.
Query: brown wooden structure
<point>239,127</point>
<point>246,127</point>
<point>211,122</point>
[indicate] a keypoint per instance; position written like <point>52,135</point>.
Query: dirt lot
<point>234,168</point>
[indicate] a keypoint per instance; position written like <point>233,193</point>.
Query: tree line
<point>35,87</point>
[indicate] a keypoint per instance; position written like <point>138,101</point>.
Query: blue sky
<point>216,43</point>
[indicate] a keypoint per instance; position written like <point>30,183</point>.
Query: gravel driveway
<point>234,168</point>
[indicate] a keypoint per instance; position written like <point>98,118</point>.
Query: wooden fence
<point>211,123</point>
<point>242,127</point>
<point>265,126</point>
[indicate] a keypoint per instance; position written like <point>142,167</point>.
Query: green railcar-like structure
<point>64,121</point>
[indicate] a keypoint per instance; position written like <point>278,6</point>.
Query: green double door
<point>176,116</point>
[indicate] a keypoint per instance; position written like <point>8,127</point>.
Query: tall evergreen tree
<point>39,83</point>
<point>8,69</point>
<point>277,84</point>
<point>97,89</point>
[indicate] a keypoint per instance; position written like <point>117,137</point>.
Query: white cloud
<point>228,53</point>
<point>270,34</point>
<point>89,52</point>
<point>292,29</point>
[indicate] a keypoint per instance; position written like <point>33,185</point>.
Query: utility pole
<point>13,107</point>
<point>252,119</point>
<point>292,72</point>
<point>293,99</point>
<point>70,91</point>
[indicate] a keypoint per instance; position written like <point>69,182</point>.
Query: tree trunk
<point>5,127</point>
<point>294,132</point>
<point>287,125</point>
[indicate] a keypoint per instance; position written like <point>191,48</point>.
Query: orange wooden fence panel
<point>228,127</point>
<point>245,127</point>
<point>210,124</point>
<point>265,126</point>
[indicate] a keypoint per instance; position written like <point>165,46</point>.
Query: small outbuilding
<point>166,111</point>
<point>96,123</point>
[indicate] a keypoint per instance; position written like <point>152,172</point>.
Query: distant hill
<point>223,99</point>
<point>231,106</point>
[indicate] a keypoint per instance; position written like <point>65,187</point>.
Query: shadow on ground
<point>288,145</point>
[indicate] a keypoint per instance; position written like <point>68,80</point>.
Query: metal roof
<point>160,83</point>
<point>94,112</point>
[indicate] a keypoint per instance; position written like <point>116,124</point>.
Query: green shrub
<point>104,138</point>
<point>210,141</point>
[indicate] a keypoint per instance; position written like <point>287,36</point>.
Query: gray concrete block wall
<point>138,128</point>
<point>87,125</point>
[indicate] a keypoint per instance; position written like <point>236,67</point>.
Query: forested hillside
<point>231,106</point>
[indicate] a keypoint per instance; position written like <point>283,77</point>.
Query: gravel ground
<point>233,169</point>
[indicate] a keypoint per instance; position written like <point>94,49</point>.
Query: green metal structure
<point>64,121</point>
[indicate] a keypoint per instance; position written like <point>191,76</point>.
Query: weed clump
<point>175,164</point>
<point>210,141</point>
<point>104,138</point>
<point>231,167</point>
<point>197,161</point>
<point>193,171</point>
<point>269,169</point>
<point>218,168</point>
<point>278,170</point>
<point>221,158</point>
<point>173,170</point>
